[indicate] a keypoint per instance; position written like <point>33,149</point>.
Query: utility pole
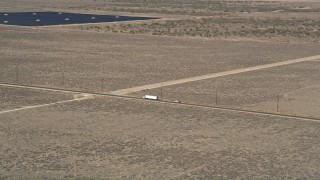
<point>278,99</point>
<point>161,92</point>
<point>102,86</point>
<point>63,77</point>
<point>216,97</point>
<point>4,95</point>
<point>17,73</point>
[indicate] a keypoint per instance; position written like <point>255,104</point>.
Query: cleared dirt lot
<point>297,85</point>
<point>85,60</point>
<point>121,139</point>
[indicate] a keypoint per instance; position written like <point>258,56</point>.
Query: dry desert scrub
<point>221,27</point>
<point>197,7</point>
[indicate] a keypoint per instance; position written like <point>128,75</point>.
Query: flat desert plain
<point>71,106</point>
<point>296,86</point>
<point>79,60</point>
<point>115,138</point>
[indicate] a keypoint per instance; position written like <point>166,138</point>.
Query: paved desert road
<point>85,96</point>
<point>214,75</point>
<point>121,93</point>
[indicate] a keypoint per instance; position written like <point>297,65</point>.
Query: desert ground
<point>296,84</point>
<point>81,60</point>
<point>123,139</point>
<point>12,98</point>
<point>70,96</point>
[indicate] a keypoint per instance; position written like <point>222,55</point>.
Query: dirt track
<point>208,76</point>
<point>83,97</point>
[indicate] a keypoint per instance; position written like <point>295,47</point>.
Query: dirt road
<point>208,76</point>
<point>77,98</point>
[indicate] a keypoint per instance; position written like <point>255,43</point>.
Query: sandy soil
<point>304,101</point>
<point>12,98</point>
<point>211,76</point>
<point>86,61</point>
<point>121,139</point>
<point>256,90</point>
<point>117,138</point>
